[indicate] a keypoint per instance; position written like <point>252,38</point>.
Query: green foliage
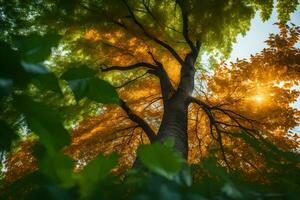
<point>168,176</point>
<point>215,23</point>
<point>160,159</point>
<point>36,48</point>
<point>94,173</point>
<point>54,165</point>
<point>83,83</point>
<point>285,7</point>
<point>11,70</point>
<point>56,170</point>
<point>44,121</point>
<point>7,136</point>
<point>24,66</point>
<point>93,182</point>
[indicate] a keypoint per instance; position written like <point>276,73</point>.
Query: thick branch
<point>187,75</point>
<point>165,83</point>
<point>132,116</point>
<point>185,26</point>
<point>166,87</point>
<point>158,70</point>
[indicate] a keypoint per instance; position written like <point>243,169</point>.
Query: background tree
<point>150,51</point>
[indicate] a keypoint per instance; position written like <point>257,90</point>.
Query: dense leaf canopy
<point>83,79</point>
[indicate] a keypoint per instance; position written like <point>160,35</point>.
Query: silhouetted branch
<point>151,37</point>
<point>226,112</point>
<point>165,82</point>
<point>152,102</point>
<point>234,116</point>
<point>120,133</point>
<point>135,118</point>
<point>185,27</point>
<point>196,130</point>
<point>129,67</point>
<point>213,123</point>
<point>131,81</point>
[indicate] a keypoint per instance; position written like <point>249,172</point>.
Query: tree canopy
<point>81,80</point>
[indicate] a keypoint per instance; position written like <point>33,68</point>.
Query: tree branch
<point>185,27</point>
<point>157,70</point>
<point>213,123</point>
<point>152,102</point>
<point>135,118</point>
<point>233,117</point>
<point>129,67</point>
<point>131,81</point>
<point>166,86</point>
<point>151,37</point>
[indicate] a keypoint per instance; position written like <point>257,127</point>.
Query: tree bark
<point>175,118</point>
<point>174,125</point>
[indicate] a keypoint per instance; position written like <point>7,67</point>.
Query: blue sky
<point>253,42</point>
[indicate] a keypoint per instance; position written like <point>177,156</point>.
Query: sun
<point>259,98</point>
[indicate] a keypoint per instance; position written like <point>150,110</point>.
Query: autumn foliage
<point>120,105</point>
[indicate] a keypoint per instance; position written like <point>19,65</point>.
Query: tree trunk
<point>174,125</point>
<point>175,118</point>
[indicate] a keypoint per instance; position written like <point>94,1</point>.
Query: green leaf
<point>46,123</point>
<point>35,186</point>
<point>80,88</point>
<point>15,71</point>
<point>36,48</point>
<point>43,121</point>
<point>42,77</point>
<point>161,159</point>
<point>5,87</point>
<point>184,177</point>
<point>46,82</point>
<point>212,166</point>
<point>80,72</point>
<point>7,136</point>
<point>169,142</point>
<point>48,191</point>
<point>230,190</point>
<point>34,68</point>
<point>83,83</point>
<point>102,91</point>
<point>95,172</point>
<point>11,70</point>
<point>55,165</point>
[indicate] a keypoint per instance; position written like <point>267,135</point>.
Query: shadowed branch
<point>153,38</point>
<point>137,119</point>
<point>185,27</point>
<point>130,67</point>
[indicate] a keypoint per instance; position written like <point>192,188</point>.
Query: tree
<point>157,47</point>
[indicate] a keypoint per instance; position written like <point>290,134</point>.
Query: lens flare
<point>259,98</point>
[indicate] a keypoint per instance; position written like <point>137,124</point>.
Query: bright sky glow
<point>253,42</point>
<point>258,98</point>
